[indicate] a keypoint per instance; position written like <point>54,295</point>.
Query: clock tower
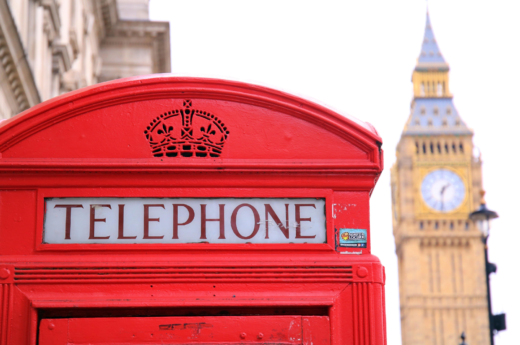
<point>436,182</point>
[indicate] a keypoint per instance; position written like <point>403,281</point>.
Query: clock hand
<point>443,189</point>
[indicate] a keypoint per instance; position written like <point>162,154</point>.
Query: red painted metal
<point>208,330</point>
<point>92,142</point>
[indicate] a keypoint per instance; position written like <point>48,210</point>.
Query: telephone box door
<point>187,330</point>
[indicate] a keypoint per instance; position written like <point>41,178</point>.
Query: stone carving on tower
<point>436,182</point>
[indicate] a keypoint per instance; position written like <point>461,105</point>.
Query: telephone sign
<point>169,220</point>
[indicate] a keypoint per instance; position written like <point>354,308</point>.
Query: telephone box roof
<point>123,120</point>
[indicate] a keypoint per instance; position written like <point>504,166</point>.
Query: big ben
<point>436,182</point>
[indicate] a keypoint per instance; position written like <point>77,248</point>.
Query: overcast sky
<point>356,57</point>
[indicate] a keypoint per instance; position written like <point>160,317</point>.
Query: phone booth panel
<point>180,202</point>
<point>187,330</point>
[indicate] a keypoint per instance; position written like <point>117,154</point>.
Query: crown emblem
<point>186,133</point>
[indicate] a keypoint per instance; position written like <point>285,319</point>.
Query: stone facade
<point>49,47</point>
<point>436,182</point>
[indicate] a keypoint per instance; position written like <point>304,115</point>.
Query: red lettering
<point>191,216</point>
<point>68,216</point>
<point>203,221</point>
<point>147,221</point>
<point>93,221</point>
<point>269,211</point>
<point>121,225</point>
<point>299,220</point>
<point>234,221</point>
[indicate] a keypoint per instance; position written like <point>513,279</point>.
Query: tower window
<point>446,148</point>
<point>448,111</point>
<point>423,110</point>
<point>451,225</point>
<point>421,225</point>
<point>439,89</point>
<point>430,123</point>
<point>454,148</point>
<point>416,147</point>
<point>417,122</point>
<point>431,148</point>
<point>422,89</point>
<point>444,122</point>
<point>424,148</point>
<point>439,148</point>
<point>461,148</point>
<point>457,122</point>
<point>436,225</point>
<point>466,226</point>
<point>435,111</point>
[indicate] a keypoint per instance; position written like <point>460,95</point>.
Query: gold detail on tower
<point>431,84</point>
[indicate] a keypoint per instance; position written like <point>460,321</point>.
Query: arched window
<point>424,148</point>
<point>461,147</point>
<point>446,148</point>
<point>431,148</point>
<point>439,148</point>
<point>416,147</point>
<point>454,148</point>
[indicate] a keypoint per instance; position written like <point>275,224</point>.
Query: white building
<point>49,47</point>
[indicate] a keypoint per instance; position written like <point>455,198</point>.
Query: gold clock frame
<point>422,210</point>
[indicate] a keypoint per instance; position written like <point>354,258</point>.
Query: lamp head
<point>482,216</point>
<point>463,338</point>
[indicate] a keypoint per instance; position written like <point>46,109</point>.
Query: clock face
<point>443,190</point>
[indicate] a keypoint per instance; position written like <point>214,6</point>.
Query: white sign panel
<point>165,220</point>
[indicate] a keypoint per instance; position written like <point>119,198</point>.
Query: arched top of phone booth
<point>166,122</point>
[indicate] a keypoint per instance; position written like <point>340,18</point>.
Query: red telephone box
<point>182,210</point>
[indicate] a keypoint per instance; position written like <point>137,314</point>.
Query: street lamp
<point>482,217</point>
<point>463,338</point>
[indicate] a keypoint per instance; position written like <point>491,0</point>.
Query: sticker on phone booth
<point>353,238</point>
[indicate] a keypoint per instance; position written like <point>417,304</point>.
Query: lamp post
<point>482,217</point>
<point>463,338</point>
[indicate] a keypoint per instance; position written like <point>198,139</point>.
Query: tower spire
<point>432,110</point>
<point>430,56</point>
